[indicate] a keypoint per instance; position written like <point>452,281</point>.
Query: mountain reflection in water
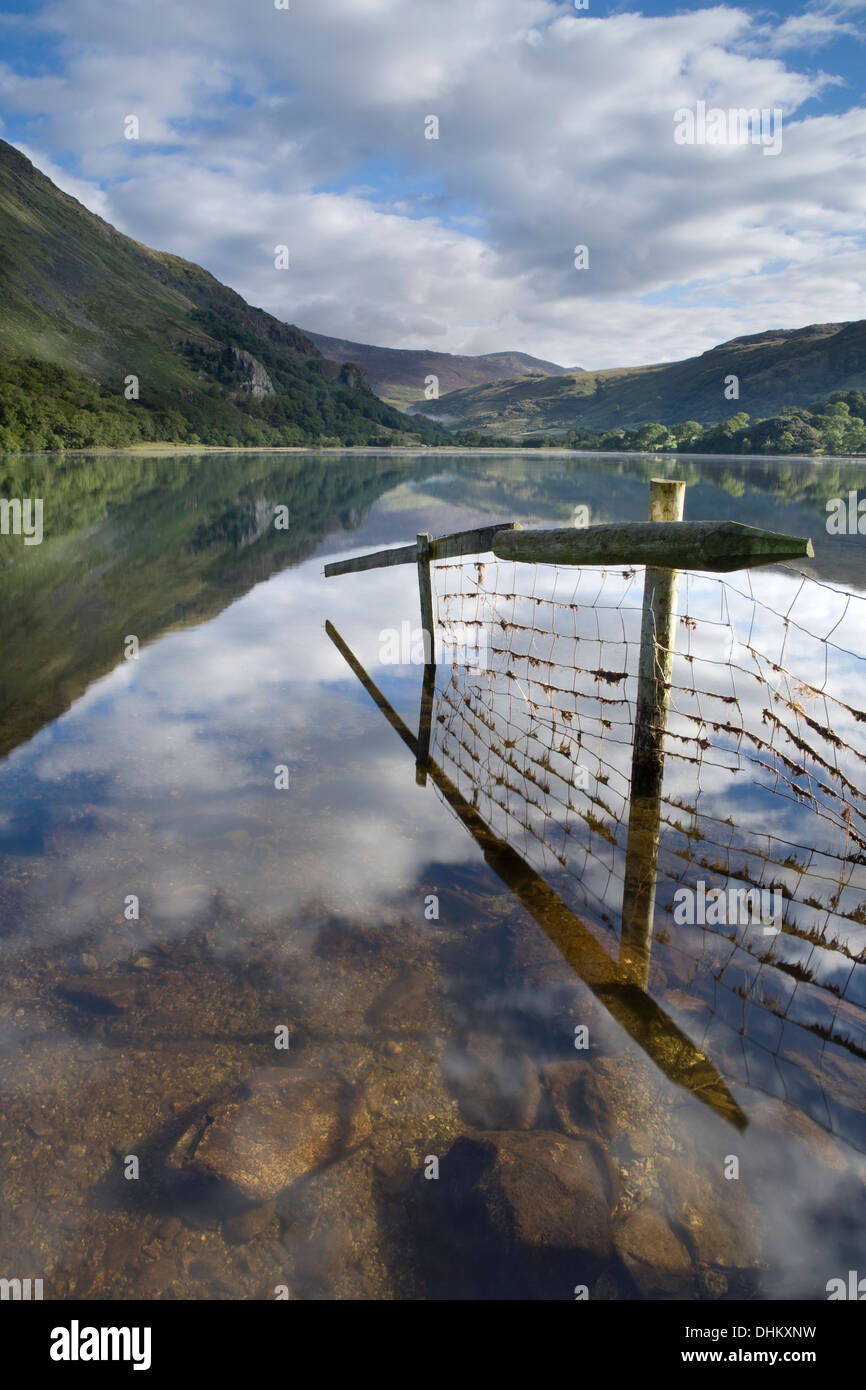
<point>413,1036</point>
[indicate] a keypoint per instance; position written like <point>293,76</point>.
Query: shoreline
<point>167,450</point>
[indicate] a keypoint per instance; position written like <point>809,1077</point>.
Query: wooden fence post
<point>655,664</point>
<point>425,591</point>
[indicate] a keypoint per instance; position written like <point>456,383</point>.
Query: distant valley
<point>399,375</point>
<point>772,370</point>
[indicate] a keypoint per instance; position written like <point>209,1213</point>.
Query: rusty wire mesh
<point>765,752</point>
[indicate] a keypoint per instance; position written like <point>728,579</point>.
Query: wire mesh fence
<point>765,752</point>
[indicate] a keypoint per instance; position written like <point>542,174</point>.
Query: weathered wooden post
<point>655,664</point>
<point>425,592</point>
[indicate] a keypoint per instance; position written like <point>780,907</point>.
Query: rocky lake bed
<point>401,1146</point>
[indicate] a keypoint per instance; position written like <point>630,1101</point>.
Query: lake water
<point>288,1009</point>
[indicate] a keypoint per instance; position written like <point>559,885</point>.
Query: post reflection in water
<point>613,984</point>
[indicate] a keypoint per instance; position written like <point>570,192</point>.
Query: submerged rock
<point>516,1214</point>
<point>563,1084</point>
<point>656,1259</point>
<point>538,1189</point>
<point>627,1104</point>
<point>155,1278</point>
<point>322,1257</point>
<point>101,995</point>
<point>282,1124</point>
<point>243,1226</point>
<point>715,1217</point>
<point>496,1087</point>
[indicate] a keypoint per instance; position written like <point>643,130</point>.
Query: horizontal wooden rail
<point>691,545</point>
<point>475,542</point>
<point>400,555</point>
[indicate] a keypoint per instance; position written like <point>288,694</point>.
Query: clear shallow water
<point>412,1036</point>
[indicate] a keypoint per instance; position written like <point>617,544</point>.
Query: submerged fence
<point>748,693</point>
<point>765,751</point>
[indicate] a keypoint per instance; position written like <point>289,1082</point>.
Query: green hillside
<point>83,308</point>
<point>775,369</point>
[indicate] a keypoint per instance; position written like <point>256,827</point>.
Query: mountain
<point>84,308</point>
<point>398,375</point>
<point>89,318</point>
<point>778,368</point>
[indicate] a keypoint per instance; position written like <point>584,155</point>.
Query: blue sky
<point>306,128</point>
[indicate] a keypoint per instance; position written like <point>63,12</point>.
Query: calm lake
<point>315,982</point>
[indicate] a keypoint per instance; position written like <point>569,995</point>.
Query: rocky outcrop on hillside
<point>257,383</point>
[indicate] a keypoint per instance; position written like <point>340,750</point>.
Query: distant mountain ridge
<point>773,369</point>
<point>85,309</point>
<point>105,342</point>
<point>398,375</point>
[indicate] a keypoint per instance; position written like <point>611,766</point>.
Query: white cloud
<point>815,27</point>
<point>263,126</point>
